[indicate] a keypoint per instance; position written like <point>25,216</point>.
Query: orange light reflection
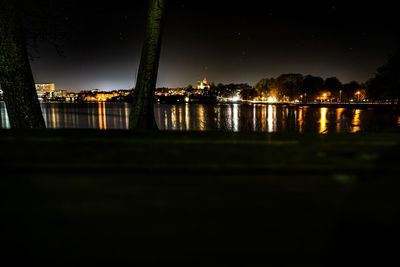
<point>323,122</point>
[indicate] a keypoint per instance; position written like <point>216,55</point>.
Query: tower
<point>202,85</point>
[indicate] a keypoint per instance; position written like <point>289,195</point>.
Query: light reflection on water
<point>227,117</point>
<point>271,119</point>
<point>339,113</point>
<point>323,122</point>
<point>356,123</point>
<point>4,116</point>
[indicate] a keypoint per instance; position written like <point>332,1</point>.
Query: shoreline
<point>241,102</point>
<point>327,104</point>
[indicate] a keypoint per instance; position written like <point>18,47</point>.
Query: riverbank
<point>180,197</point>
<point>182,100</point>
<point>330,104</point>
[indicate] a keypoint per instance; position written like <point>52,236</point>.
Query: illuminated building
<point>101,96</point>
<point>203,85</point>
<point>60,93</point>
<point>45,88</point>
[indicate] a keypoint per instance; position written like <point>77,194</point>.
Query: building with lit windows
<point>60,93</point>
<point>45,88</point>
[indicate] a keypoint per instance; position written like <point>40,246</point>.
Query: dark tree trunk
<point>16,77</point>
<point>142,115</point>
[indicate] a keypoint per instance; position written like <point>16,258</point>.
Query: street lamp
<point>358,96</point>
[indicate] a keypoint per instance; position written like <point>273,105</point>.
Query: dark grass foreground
<point>88,196</point>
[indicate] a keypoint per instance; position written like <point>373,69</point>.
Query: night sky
<point>227,42</point>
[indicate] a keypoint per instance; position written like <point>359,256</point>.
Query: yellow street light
<point>358,96</point>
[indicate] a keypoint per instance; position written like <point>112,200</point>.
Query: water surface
<point>227,117</point>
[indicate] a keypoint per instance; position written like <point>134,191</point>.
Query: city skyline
<point>238,43</point>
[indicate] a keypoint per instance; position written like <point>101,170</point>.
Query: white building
<point>45,88</point>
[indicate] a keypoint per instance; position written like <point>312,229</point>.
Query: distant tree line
<point>229,90</point>
<point>384,86</point>
<point>295,86</point>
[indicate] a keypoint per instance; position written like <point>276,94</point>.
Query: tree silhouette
<point>16,77</point>
<point>289,85</point>
<point>142,115</point>
<point>386,83</point>
<point>312,86</point>
<point>350,89</point>
<point>334,86</point>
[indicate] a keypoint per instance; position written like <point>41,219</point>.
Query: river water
<point>226,117</point>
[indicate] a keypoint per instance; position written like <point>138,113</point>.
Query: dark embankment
<point>72,196</point>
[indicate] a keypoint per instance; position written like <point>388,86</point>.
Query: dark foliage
<point>386,83</point>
